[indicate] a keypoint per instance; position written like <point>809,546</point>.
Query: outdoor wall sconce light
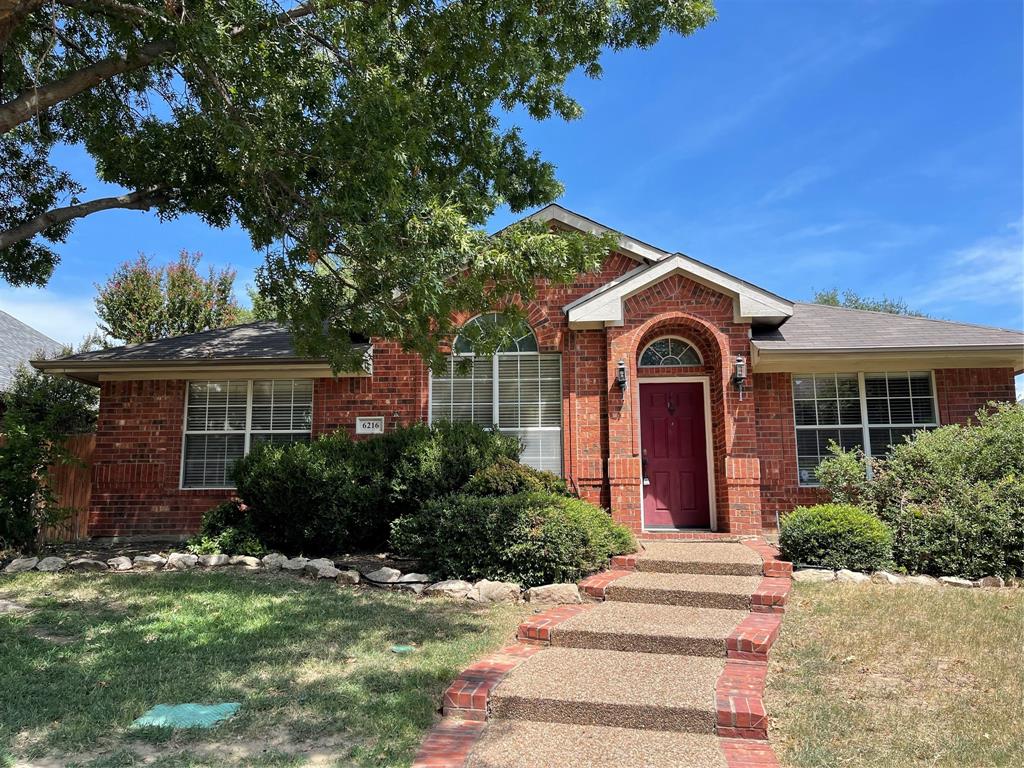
<point>739,375</point>
<point>620,375</point>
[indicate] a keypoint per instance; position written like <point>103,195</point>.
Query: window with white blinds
<point>224,419</point>
<point>518,392</point>
<point>871,411</point>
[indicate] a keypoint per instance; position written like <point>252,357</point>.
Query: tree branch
<point>30,103</point>
<point>12,13</point>
<point>141,200</point>
<point>114,7</point>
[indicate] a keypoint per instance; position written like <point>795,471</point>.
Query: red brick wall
<point>960,393</point>
<point>139,436</point>
<point>137,462</point>
<point>683,307</point>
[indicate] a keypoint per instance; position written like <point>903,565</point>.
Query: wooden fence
<point>72,485</point>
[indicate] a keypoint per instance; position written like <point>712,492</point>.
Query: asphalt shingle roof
<point>825,328</point>
<point>262,340</point>
<point>20,343</point>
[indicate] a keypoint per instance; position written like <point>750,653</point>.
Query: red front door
<point>673,440</point>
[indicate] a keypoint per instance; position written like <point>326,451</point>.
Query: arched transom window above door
<point>518,391</point>
<point>669,352</point>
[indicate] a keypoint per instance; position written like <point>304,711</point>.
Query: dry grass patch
<point>883,677</point>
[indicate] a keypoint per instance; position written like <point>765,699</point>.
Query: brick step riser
<point>680,597</point>
<point>638,643</point>
<point>649,718</point>
<point>700,569</point>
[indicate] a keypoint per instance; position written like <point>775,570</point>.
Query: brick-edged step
<point>705,557</point>
<point>515,744</point>
<point>650,691</point>
<point>644,628</point>
<point>697,590</point>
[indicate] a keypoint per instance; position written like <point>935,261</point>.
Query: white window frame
<point>495,401</point>
<point>247,435</point>
<point>683,339</point>
<point>864,424</point>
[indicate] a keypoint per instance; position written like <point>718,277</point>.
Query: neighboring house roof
<point>820,329</point>
<point>263,343</point>
<point>20,343</point>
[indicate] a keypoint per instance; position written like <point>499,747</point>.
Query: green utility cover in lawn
<point>186,715</point>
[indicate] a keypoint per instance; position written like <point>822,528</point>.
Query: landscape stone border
<point>825,575</point>
<point>316,569</point>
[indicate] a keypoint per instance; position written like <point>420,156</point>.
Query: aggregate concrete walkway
<point>654,676</point>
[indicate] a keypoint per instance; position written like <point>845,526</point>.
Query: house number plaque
<point>369,425</point>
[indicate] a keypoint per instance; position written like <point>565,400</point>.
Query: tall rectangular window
<point>224,419</point>
<point>518,393</point>
<point>871,411</point>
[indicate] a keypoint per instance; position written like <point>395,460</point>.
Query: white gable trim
<point>605,305</point>
<point>633,248</point>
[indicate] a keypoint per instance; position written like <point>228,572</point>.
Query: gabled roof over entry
<point>604,306</point>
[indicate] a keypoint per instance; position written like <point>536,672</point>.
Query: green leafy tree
<point>261,309</point>
<point>851,300</point>
<point>141,302</point>
<point>361,143</point>
<point>39,411</point>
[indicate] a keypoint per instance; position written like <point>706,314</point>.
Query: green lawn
<point>883,677</point>
<point>310,663</point>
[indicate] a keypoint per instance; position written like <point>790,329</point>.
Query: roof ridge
<point>908,317</point>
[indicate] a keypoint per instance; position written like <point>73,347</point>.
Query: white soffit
<point>604,306</point>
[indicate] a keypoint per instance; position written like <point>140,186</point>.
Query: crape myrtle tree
<point>144,302</point>
<point>361,143</point>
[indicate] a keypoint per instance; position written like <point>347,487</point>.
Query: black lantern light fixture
<point>620,375</point>
<point>739,374</point>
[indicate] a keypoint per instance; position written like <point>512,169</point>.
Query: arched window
<point>519,337</point>
<point>669,351</point>
<point>517,391</point>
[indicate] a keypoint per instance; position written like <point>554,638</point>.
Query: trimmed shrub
<point>226,529</point>
<point>335,493</point>
<point>953,496</point>
<point>507,477</point>
<point>529,538</point>
<point>836,536</point>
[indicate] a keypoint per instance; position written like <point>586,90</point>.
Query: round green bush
<point>528,538</point>
<point>507,477</point>
<point>836,536</point>
<point>336,494</point>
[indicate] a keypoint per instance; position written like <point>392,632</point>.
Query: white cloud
<point>795,182</point>
<point>67,319</point>
<point>988,271</point>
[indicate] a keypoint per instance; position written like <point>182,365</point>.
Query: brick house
<point>671,393</point>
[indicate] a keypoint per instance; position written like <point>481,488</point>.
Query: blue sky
<point>799,145</point>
